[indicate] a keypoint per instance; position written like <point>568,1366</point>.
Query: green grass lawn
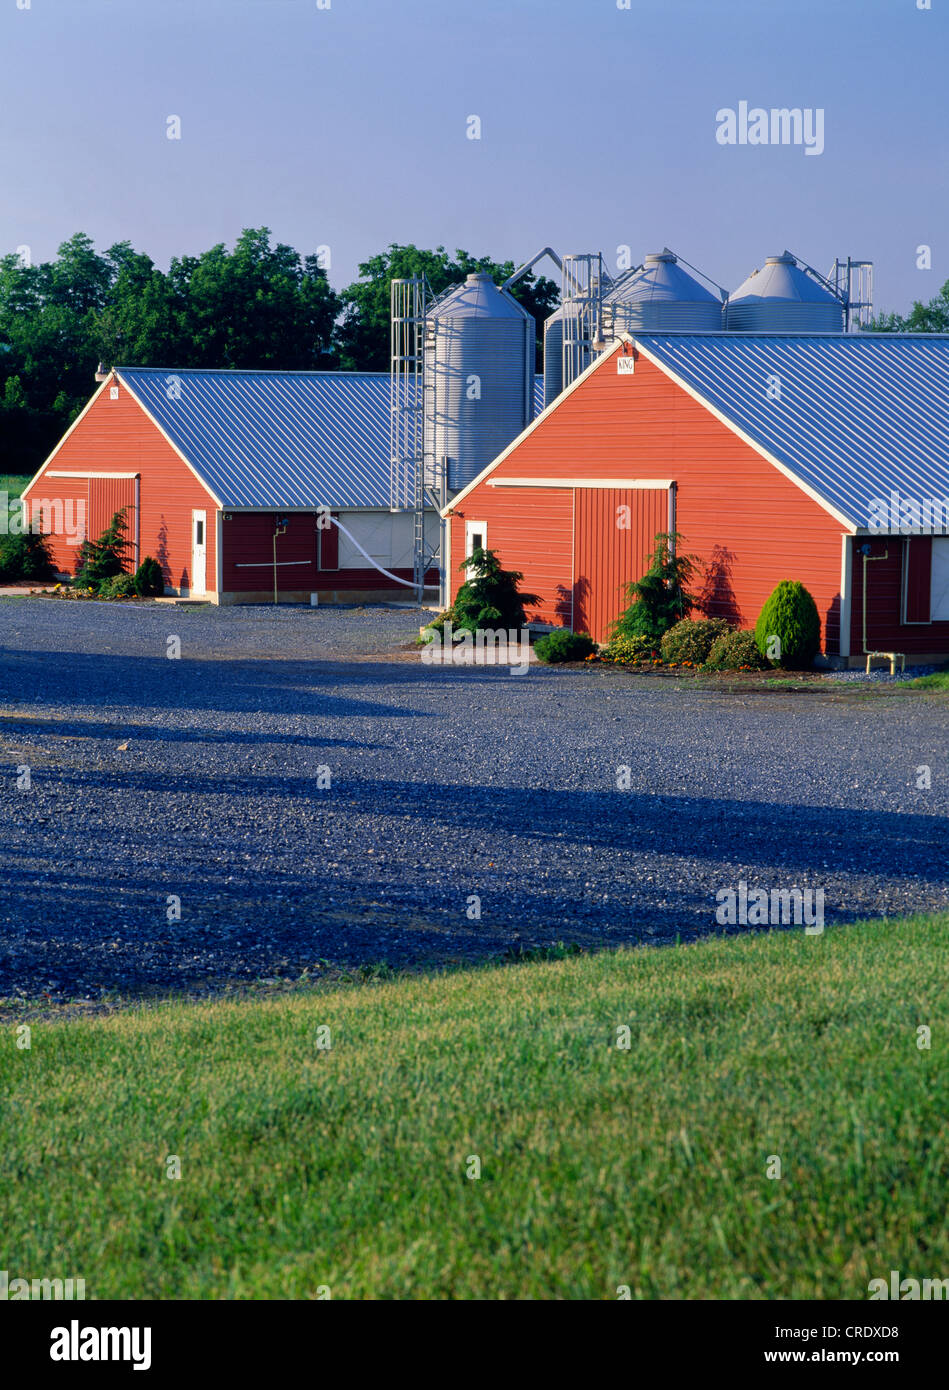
<point>13,484</point>
<point>939,680</point>
<point>303,1167</point>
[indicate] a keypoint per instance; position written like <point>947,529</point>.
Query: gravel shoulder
<point>310,796</point>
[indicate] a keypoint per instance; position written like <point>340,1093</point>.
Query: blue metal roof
<point>858,416</point>
<point>278,439</point>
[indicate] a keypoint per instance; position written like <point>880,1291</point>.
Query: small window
<point>939,580</point>
<point>476,536</point>
<point>199,533</point>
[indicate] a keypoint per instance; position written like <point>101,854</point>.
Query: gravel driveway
<point>445,787</point>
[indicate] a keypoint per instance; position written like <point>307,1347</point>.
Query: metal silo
<point>783,298</point>
<point>553,357</point>
<point>659,296</point>
<point>479,377</point>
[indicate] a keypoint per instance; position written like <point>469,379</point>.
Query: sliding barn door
<point>614,531</point>
<point>106,497</point>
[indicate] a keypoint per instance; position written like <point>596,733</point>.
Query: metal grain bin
<point>661,297</point>
<point>479,376</point>
<point>553,357</point>
<point>782,298</point>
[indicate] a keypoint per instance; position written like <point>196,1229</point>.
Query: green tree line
<point>256,306</point>
<point>922,318</point>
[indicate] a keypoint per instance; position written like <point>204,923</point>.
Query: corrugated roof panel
<point>855,416</point>
<point>278,439</point>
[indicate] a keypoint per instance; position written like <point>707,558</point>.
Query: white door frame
<point>199,553</point>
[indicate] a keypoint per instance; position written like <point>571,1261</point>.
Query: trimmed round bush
<point>149,580</point>
<point>788,630</point>
<point>735,651</point>
<point>692,639</point>
<point>564,645</point>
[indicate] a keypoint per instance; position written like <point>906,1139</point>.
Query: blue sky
<point>347,127</point>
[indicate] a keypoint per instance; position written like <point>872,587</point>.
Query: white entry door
<point>199,552</point>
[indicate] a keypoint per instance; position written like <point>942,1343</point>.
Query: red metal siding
<point>885,630</point>
<point>328,551</point>
<point>106,497</point>
<point>116,436</point>
<point>917,561</point>
<point>608,552</point>
<point>749,525</point>
<point>248,552</point>
<point>63,507</point>
<point>247,558</point>
<point>532,531</point>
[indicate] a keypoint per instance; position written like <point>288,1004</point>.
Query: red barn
<point>227,476</point>
<point>822,458</point>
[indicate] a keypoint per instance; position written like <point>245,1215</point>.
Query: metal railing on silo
<point>406,423</point>
<point>583,285</point>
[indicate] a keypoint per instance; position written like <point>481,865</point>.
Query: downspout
<point>138,519</point>
<point>846,596</point>
<point>279,530</point>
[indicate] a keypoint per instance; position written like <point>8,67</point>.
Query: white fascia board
<point>87,473</point>
<point>898,533</point>
<point>647,484</point>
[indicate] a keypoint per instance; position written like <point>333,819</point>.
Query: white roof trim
<point>112,377</point>
<point>649,484</point>
<point>347,510</point>
<point>86,473</point>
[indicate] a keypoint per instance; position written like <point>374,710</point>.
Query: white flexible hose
<point>409,583</point>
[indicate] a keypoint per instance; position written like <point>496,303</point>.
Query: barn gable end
<point>667,460</point>
<point>116,456</point>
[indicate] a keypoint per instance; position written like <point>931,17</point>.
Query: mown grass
<point>346,1168</point>
<point>938,680</point>
<point>13,484</point>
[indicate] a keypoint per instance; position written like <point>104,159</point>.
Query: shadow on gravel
<point>111,929</point>
<point>812,839</point>
<point>62,678</point>
<point>27,725</point>
<point>274,870</point>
